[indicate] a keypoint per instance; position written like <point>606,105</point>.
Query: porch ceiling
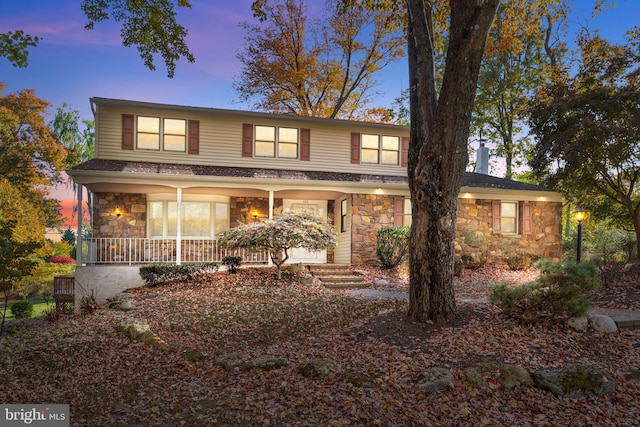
<point>105,187</point>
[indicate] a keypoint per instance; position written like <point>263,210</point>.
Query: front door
<point>314,207</point>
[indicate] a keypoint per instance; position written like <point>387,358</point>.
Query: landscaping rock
<point>382,282</point>
<point>265,363</point>
<point>307,280</point>
<point>579,324</point>
<point>475,377</point>
<point>634,375</point>
<point>229,361</point>
<point>602,323</point>
<point>512,376</point>
<point>125,305</point>
<point>318,368</point>
<point>296,268</point>
<point>575,381</point>
<point>437,379</point>
<point>124,295</point>
<point>359,379</point>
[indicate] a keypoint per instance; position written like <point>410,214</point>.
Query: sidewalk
<point>623,318</point>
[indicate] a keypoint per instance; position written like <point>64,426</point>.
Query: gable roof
<point>479,180</point>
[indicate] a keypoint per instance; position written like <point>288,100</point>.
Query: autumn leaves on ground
<point>221,321</point>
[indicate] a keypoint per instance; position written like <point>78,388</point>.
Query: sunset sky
<point>71,64</point>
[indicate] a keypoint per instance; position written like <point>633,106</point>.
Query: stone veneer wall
<point>475,232</point>
<point>241,209</point>
<point>370,213</point>
<point>132,222</point>
<point>474,224</point>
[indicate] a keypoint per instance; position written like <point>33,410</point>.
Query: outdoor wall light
<point>118,211</point>
<point>579,214</point>
<point>254,214</point>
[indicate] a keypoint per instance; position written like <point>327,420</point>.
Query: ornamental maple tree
<point>280,234</point>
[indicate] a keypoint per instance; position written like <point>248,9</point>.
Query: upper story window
<point>154,133</point>
<point>281,142</point>
<point>379,149</point>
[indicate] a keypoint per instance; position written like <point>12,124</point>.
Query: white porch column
<point>80,189</point>
<point>270,204</point>
<point>178,230</point>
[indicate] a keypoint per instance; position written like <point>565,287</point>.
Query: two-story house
<point>166,179</point>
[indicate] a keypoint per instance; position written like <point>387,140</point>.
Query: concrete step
<point>341,279</point>
<point>337,276</point>
<point>346,285</point>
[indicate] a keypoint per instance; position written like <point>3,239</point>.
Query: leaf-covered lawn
<point>110,379</point>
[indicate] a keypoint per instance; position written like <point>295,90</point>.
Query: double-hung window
<point>509,217</point>
<point>161,134</point>
<point>380,149</point>
<point>280,142</point>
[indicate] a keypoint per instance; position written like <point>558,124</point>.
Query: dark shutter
<point>398,211</point>
<point>128,129</point>
<point>496,208</point>
<point>247,140</point>
<point>526,218</point>
<point>194,137</point>
<point>305,144</point>
<point>355,148</point>
<point>404,154</point>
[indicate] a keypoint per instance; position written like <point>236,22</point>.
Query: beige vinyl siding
<point>342,251</point>
<point>221,142</point>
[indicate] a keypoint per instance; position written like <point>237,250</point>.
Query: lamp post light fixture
<point>580,214</point>
<point>118,212</point>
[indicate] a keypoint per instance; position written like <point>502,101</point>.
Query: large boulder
<point>579,324</point>
<point>575,381</point>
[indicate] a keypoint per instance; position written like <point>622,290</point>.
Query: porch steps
<point>337,276</point>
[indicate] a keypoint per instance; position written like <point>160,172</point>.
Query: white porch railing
<point>149,251</point>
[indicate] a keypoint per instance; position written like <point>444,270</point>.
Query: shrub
<point>471,263</point>
<point>519,262</point>
<point>159,274</point>
<point>57,259</point>
<point>22,309</point>
<point>232,263</point>
<point>88,304</point>
<point>560,290</point>
<point>392,245</point>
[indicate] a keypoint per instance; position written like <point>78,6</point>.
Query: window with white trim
<point>280,142</point>
<point>380,149</point>
<point>200,218</point>
<point>408,219</point>
<point>509,217</point>
<point>161,134</point>
<point>343,215</point>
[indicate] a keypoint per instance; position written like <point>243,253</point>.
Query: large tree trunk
<point>438,148</point>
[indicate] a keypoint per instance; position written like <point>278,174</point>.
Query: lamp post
<point>580,215</point>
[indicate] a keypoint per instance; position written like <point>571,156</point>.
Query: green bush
<point>471,263</point>
<point>560,290</point>
<point>22,309</point>
<point>232,263</point>
<point>392,245</point>
<point>519,262</point>
<point>159,274</point>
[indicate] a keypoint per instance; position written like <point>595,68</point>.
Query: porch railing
<point>149,251</point>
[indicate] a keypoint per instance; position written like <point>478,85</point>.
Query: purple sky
<point>71,64</point>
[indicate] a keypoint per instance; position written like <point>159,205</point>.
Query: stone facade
<point>475,235</point>
<point>242,209</point>
<point>370,213</point>
<point>132,221</point>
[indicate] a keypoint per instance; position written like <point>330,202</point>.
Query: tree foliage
<point>15,260</point>
<point>587,127</point>
<point>281,234</point>
<point>322,66</point>
<point>31,159</point>
<point>14,45</point>
<point>522,45</point>
<point>150,26</point>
